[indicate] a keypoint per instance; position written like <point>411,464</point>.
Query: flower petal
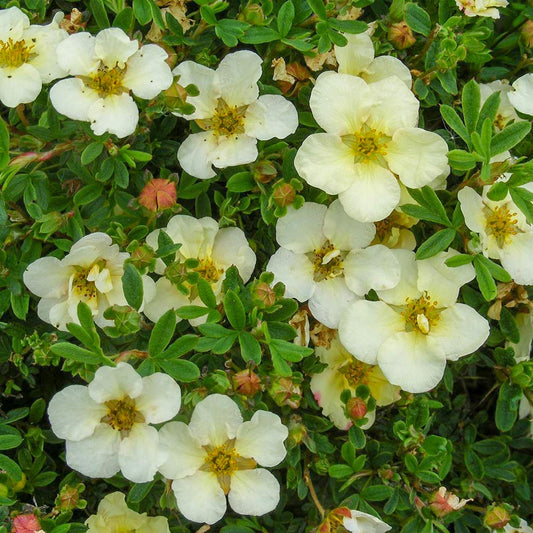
<point>215,420</point>
<point>232,248</point>
<point>365,326</point>
<point>373,194</point>
<point>20,85</point>
<point>384,66</point>
<point>236,150</point>
<point>196,154</point>
<point>270,116</point>
<point>300,230</point>
<point>97,455</point>
<point>360,521</point>
<point>185,455</point>
<point>262,439</point>
<point>117,114</point>
<point>73,414</point>
<point>114,383</point>
<point>200,498</point>
<point>417,156</point>
<point>295,271</point>
<point>160,399</point>
<point>330,300</point>
<point>47,277</point>
<point>76,54</point>
<point>356,56</point>
<point>253,492</point>
<point>237,75</point>
<point>45,40</point>
<point>140,454</point>
<point>522,96</point>
<point>407,286</point>
<point>517,258</point>
<point>414,361</point>
<point>72,98</point>
<point>113,47</point>
<point>375,267</point>
<point>340,103</point>
<point>460,331</point>
<point>12,23</point>
<point>325,162</point>
<point>148,74</point>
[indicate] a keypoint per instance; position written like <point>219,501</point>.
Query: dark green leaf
<point>162,333</point>
<point>75,353</point>
<point>507,405</point>
<point>132,285</point>
<point>417,19</point>
<point>471,99</point>
<point>486,283</point>
<point>508,326</point>
<point>234,310</point>
<point>250,347</point>
<point>319,8</point>
<point>509,137</point>
<point>453,120</point>
<point>98,10</point>
<point>91,152</point>
<point>436,243</point>
<point>285,17</point>
<point>181,370</point>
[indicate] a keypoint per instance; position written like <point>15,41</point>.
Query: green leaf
<point>417,19</point>
<point>180,347</point>
<point>98,10</point>
<point>143,11</point>
<point>75,353</point>
<point>162,333</point>
<point>319,8</point>
<point>377,493</point>
<point>180,370</point>
<point>4,145</point>
<point>436,243</point>
<point>206,293</point>
<point>340,471</point>
<point>459,260</point>
<point>471,99</point>
<point>285,17</point>
<point>132,285</point>
<point>208,14</point>
<point>508,326</point>
<point>241,182</point>
<point>348,26</point>
<point>125,20</point>
<point>139,491</point>
<point>509,137</point>
<point>8,442</point>
<point>520,198</point>
<point>260,35</point>
<point>234,310</point>
<point>88,194</point>
<point>507,405</point>
<point>250,347</point>
<point>288,350</point>
<point>498,191</point>
<point>486,283</point>
<point>461,160</point>
<point>489,109</point>
<point>474,464</point>
<point>91,152</point>
<point>427,197</point>
<point>496,271</point>
<point>11,468</point>
<point>230,31</point>
<point>191,311</point>
<point>453,120</point>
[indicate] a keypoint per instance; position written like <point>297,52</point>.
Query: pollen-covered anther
<point>14,54</point>
<point>227,120</point>
<point>107,81</point>
<point>122,414</point>
<point>367,145</point>
<point>421,314</point>
<point>327,262</point>
<point>502,223</point>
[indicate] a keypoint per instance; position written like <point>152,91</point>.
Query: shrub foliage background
<point>59,182</point>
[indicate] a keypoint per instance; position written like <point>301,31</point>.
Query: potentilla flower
<point>371,144</point>
<point>215,249</point>
<point>342,520</point>
<point>107,425</point>
<point>106,68</point>
<point>506,112</point>
<point>325,258</point>
<point>91,273</point>
<point>344,372</point>
<point>27,56</point>
<point>503,230</point>
<point>357,58</point>
<point>114,516</point>
<point>217,455</point>
<point>523,527</point>
<point>417,326</point>
<point>231,113</point>
<point>521,97</point>
<point>481,8</point>
<point>444,502</point>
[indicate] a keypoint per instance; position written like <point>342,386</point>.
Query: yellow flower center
<point>107,81</point>
<point>14,53</point>
<point>502,224</point>
<point>368,145</point>
<point>327,262</point>
<point>82,287</point>
<point>227,120</point>
<point>122,414</point>
<point>356,373</point>
<point>209,270</point>
<point>420,314</point>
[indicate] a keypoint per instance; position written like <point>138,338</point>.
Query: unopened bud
<point>526,33</point>
<point>284,194</point>
<point>497,516</point>
<point>265,294</point>
<point>286,391</point>
<point>246,382</point>
<point>26,523</point>
<point>401,36</point>
<point>158,194</point>
<point>265,172</point>
<point>68,498</point>
<point>253,14</point>
<point>356,408</point>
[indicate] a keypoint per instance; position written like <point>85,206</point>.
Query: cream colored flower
<point>521,97</point>
<point>414,328</point>
<point>503,230</point>
<point>231,113</point>
<point>481,8</point>
<point>506,112</point>
<point>107,425</point>
<point>371,145</point>
<point>344,372</point>
<point>114,516</point>
<point>27,56</point>
<point>215,249</point>
<point>217,455</point>
<point>523,527</point>
<point>91,273</point>
<point>106,68</point>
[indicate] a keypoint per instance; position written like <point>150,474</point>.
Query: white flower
<point>231,113</point>
<point>216,249</point>
<point>27,56</point>
<point>361,522</point>
<point>522,96</point>
<point>481,8</point>
<point>371,145</point>
<point>91,273</point>
<point>522,528</point>
<point>417,326</point>
<point>357,58</point>
<point>216,456</point>
<point>106,68</point>
<point>114,516</point>
<point>106,425</point>
<point>506,112</point>
<point>324,259</point>
<point>503,230</point>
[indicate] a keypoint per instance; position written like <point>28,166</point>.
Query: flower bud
<point>264,171</point>
<point>526,33</point>
<point>286,391</point>
<point>497,516</point>
<point>356,408</point>
<point>265,294</point>
<point>158,194</point>
<point>253,14</point>
<point>401,36</point>
<point>68,498</point>
<point>246,382</point>
<point>283,194</point>
<point>26,523</point>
